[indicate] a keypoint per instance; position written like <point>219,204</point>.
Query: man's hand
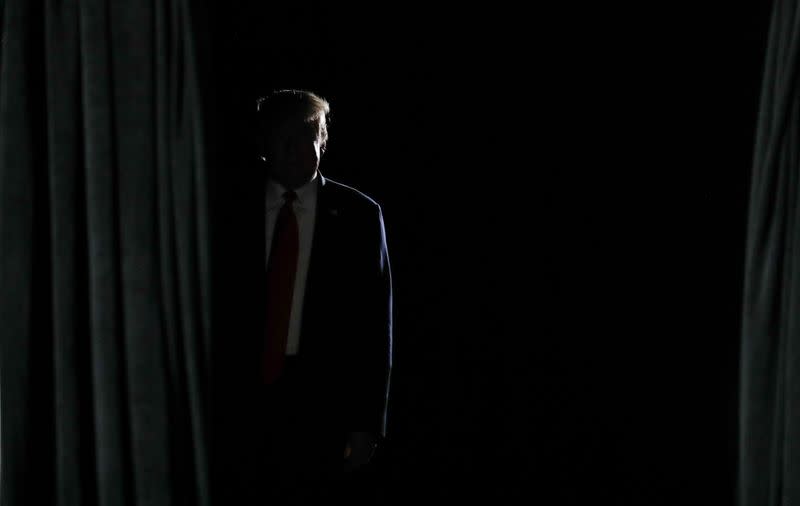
<point>359,450</point>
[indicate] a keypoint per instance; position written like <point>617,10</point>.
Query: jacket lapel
<point>325,223</point>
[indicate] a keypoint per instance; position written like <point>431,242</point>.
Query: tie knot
<point>289,196</point>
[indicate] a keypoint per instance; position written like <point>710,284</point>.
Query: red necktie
<point>281,268</point>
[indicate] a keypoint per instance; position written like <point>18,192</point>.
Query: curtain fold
<point>769,445</point>
<point>105,261</point>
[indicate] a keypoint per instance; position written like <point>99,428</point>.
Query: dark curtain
<point>104,254</point>
<point>769,450</point>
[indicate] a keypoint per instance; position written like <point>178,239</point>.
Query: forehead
<point>299,125</point>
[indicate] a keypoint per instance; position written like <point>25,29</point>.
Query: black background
<point>565,192</point>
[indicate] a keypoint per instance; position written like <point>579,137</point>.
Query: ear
<point>261,148</point>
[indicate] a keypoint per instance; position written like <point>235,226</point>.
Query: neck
<point>293,183</point>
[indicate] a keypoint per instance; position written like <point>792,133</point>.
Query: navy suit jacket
<point>346,333</point>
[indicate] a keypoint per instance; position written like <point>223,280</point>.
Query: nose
<point>293,150</point>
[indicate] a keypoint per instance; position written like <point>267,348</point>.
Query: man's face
<point>293,152</point>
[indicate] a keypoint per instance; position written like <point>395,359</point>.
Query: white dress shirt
<point>305,207</point>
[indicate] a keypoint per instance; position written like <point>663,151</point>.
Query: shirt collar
<point>305,194</point>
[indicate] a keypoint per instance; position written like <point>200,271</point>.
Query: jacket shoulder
<point>349,196</point>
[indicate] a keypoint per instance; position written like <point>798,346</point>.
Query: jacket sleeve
<point>370,409</point>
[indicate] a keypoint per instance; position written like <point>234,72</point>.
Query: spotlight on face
<point>293,151</point>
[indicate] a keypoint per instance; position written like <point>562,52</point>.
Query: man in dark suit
<point>327,349</point>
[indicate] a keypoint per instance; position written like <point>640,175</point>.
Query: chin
<point>304,177</point>
<point>294,176</point>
